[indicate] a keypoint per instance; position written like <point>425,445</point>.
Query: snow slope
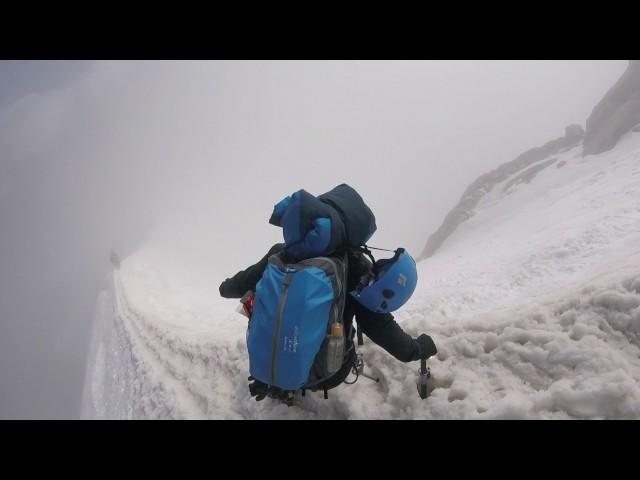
<point>534,304</point>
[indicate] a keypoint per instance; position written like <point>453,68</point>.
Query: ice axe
<point>423,375</point>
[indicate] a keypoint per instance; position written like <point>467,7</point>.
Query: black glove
<point>224,289</point>
<point>258,389</point>
<point>427,347</point>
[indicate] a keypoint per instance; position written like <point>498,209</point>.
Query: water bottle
<point>335,349</point>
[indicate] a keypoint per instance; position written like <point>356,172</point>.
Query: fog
<point>192,156</point>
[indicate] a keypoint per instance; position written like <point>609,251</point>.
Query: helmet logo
<point>402,280</point>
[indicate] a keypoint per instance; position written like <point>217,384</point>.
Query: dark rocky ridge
<point>485,183</point>
<point>616,114</point>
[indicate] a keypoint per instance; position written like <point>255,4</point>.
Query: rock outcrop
<point>616,114</point>
<point>574,134</point>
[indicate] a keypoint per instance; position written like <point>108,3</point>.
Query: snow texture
<point>533,302</point>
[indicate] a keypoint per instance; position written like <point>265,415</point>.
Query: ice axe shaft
<point>423,375</point>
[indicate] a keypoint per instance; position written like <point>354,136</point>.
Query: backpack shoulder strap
<point>364,249</point>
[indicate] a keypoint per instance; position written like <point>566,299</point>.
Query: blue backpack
<point>296,306</point>
<point>295,337</point>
